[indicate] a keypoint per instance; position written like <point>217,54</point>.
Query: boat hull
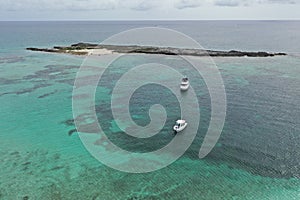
<point>184,88</point>
<point>181,128</point>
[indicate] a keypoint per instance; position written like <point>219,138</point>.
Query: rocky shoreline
<point>88,49</point>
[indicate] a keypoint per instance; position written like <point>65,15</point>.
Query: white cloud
<point>91,5</point>
<point>148,9</point>
<point>182,4</point>
<point>140,5</point>
<point>280,1</point>
<point>227,2</point>
<point>77,5</point>
<point>233,3</point>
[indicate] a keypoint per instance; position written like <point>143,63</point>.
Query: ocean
<point>256,157</point>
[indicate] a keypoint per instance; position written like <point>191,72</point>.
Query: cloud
<point>83,5</point>
<point>145,5</point>
<point>42,5</point>
<point>134,5</point>
<point>234,3</point>
<point>279,1</point>
<point>182,4</point>
<point>79,5</point>
<point>231,3</point>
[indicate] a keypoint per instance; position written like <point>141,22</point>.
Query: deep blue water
<point>223,35</point>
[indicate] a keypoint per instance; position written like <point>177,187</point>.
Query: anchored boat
<point>184,84</point>
<point>180,125</point>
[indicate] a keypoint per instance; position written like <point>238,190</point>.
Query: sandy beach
<point>97,52</point>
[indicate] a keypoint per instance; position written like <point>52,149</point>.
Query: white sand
<point>95,51</point>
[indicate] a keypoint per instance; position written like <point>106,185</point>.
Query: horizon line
<point>118,20</point>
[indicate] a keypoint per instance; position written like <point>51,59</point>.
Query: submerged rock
<point>72,131</point>
<point>69,122</point>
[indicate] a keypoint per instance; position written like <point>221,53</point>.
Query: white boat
<point>184,84</point>
<point>180,125</point>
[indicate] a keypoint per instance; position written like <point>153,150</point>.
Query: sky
<point>36,10</point>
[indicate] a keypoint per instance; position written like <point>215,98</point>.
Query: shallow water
<point>257,156</point>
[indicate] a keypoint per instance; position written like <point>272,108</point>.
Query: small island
<point>103,49</point>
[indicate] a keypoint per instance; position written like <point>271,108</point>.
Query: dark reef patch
<point>69,122</point>
<point>57,168</point>
<point>67,81</point>
<point>50,72</point>
<point>25,197</point>
<point>46,95</point>
<point>46,77</point>
<point>70,132</point>
<point>5,81</point>
<point>29,90</point>
<point>13,59</point>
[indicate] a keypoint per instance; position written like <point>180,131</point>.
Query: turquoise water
<point>257,156</point>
